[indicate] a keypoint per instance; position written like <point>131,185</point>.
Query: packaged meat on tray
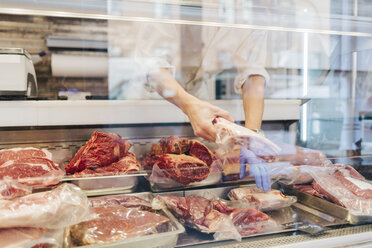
<point>178,162</point>
<point>116,223</point>
<point>127,201</point>
<point>57,208</point>
<point>253,197</point>
<point>29,166</point>
<point>30,237</point>
<point>213,216</point>
<point>104,165</point>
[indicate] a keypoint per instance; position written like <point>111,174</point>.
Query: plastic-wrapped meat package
<point>101,149</point>
<point>29,166</point>
<point>30,237</point>
<point>10,189</point>
<point>258,199</point>
<point>233,136</point>
<point>127,201</point>
<point>116,223</point>
<point>63,206</point>
<point>213,216</point>
<point>345,187</point>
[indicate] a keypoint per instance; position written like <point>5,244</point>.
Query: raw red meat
<point>182,168</point>
<point>176,145</point>
<point>126,164</point>
<point>248,220</point>
<point>309,189</point>
<point>200,151</point>
<point>10,189</point>
<point>195,211</point>
<point>345,188</point>
<point>116,223</point>
<point>127,201</point>
<point>58,208</point>
<point>32,171</point>
<point>101,149</point>
<point>21,153</point>
<point>211,215</point>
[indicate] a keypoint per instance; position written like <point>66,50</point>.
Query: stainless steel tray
<point>327,207</point>
<point>296,213</point>
<point>166,239</point>
<point>102,185</point>
<point>212,179</point>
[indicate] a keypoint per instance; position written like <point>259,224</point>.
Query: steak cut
<point>116,223</point>
<point>211,216</point>
<point>127,201</point>
<point>32,171</point>
<point>176,145</point>
<point>183,168</point>
<point>126,164</point>
<point>58,208</point>
<point>21,153</point>
<point>100,150</point>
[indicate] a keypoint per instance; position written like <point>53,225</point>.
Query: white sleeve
<point>250,57</point>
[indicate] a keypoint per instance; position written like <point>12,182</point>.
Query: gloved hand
<point>257,168</point>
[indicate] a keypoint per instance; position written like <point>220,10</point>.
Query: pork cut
<point>183,168</point>
<point>211,216</point>
<point>101,149</point>
<point>258,199</point>
<point>126,164</point>
<point>127,201</point>
<point>58,208</point>
<point>20,237</point>
<point>116,223</point>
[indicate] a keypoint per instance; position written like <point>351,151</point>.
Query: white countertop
<point>99,112</point>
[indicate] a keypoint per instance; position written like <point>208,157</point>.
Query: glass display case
<point>96,65</point>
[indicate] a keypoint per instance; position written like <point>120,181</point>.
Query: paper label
<point>361,184</point>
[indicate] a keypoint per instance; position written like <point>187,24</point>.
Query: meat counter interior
<point>174,191</point>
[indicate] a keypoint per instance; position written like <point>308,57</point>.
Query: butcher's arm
<point>200,113</point>
<point>253,101</point>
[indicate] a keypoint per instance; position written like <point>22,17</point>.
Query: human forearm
<point>253,101</point>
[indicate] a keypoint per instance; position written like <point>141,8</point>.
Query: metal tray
<point>159,240</point>
<point>212,179</point>
<point>296,213</point>
<point>102,185</point>
<point>326,206</point>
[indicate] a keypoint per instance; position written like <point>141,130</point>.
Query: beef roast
<point>126,164</point>
<point>183,168</point>
<point>116,223</point>
<point>128,201</point>
<point>100,150</point>
<point>212,215</point>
